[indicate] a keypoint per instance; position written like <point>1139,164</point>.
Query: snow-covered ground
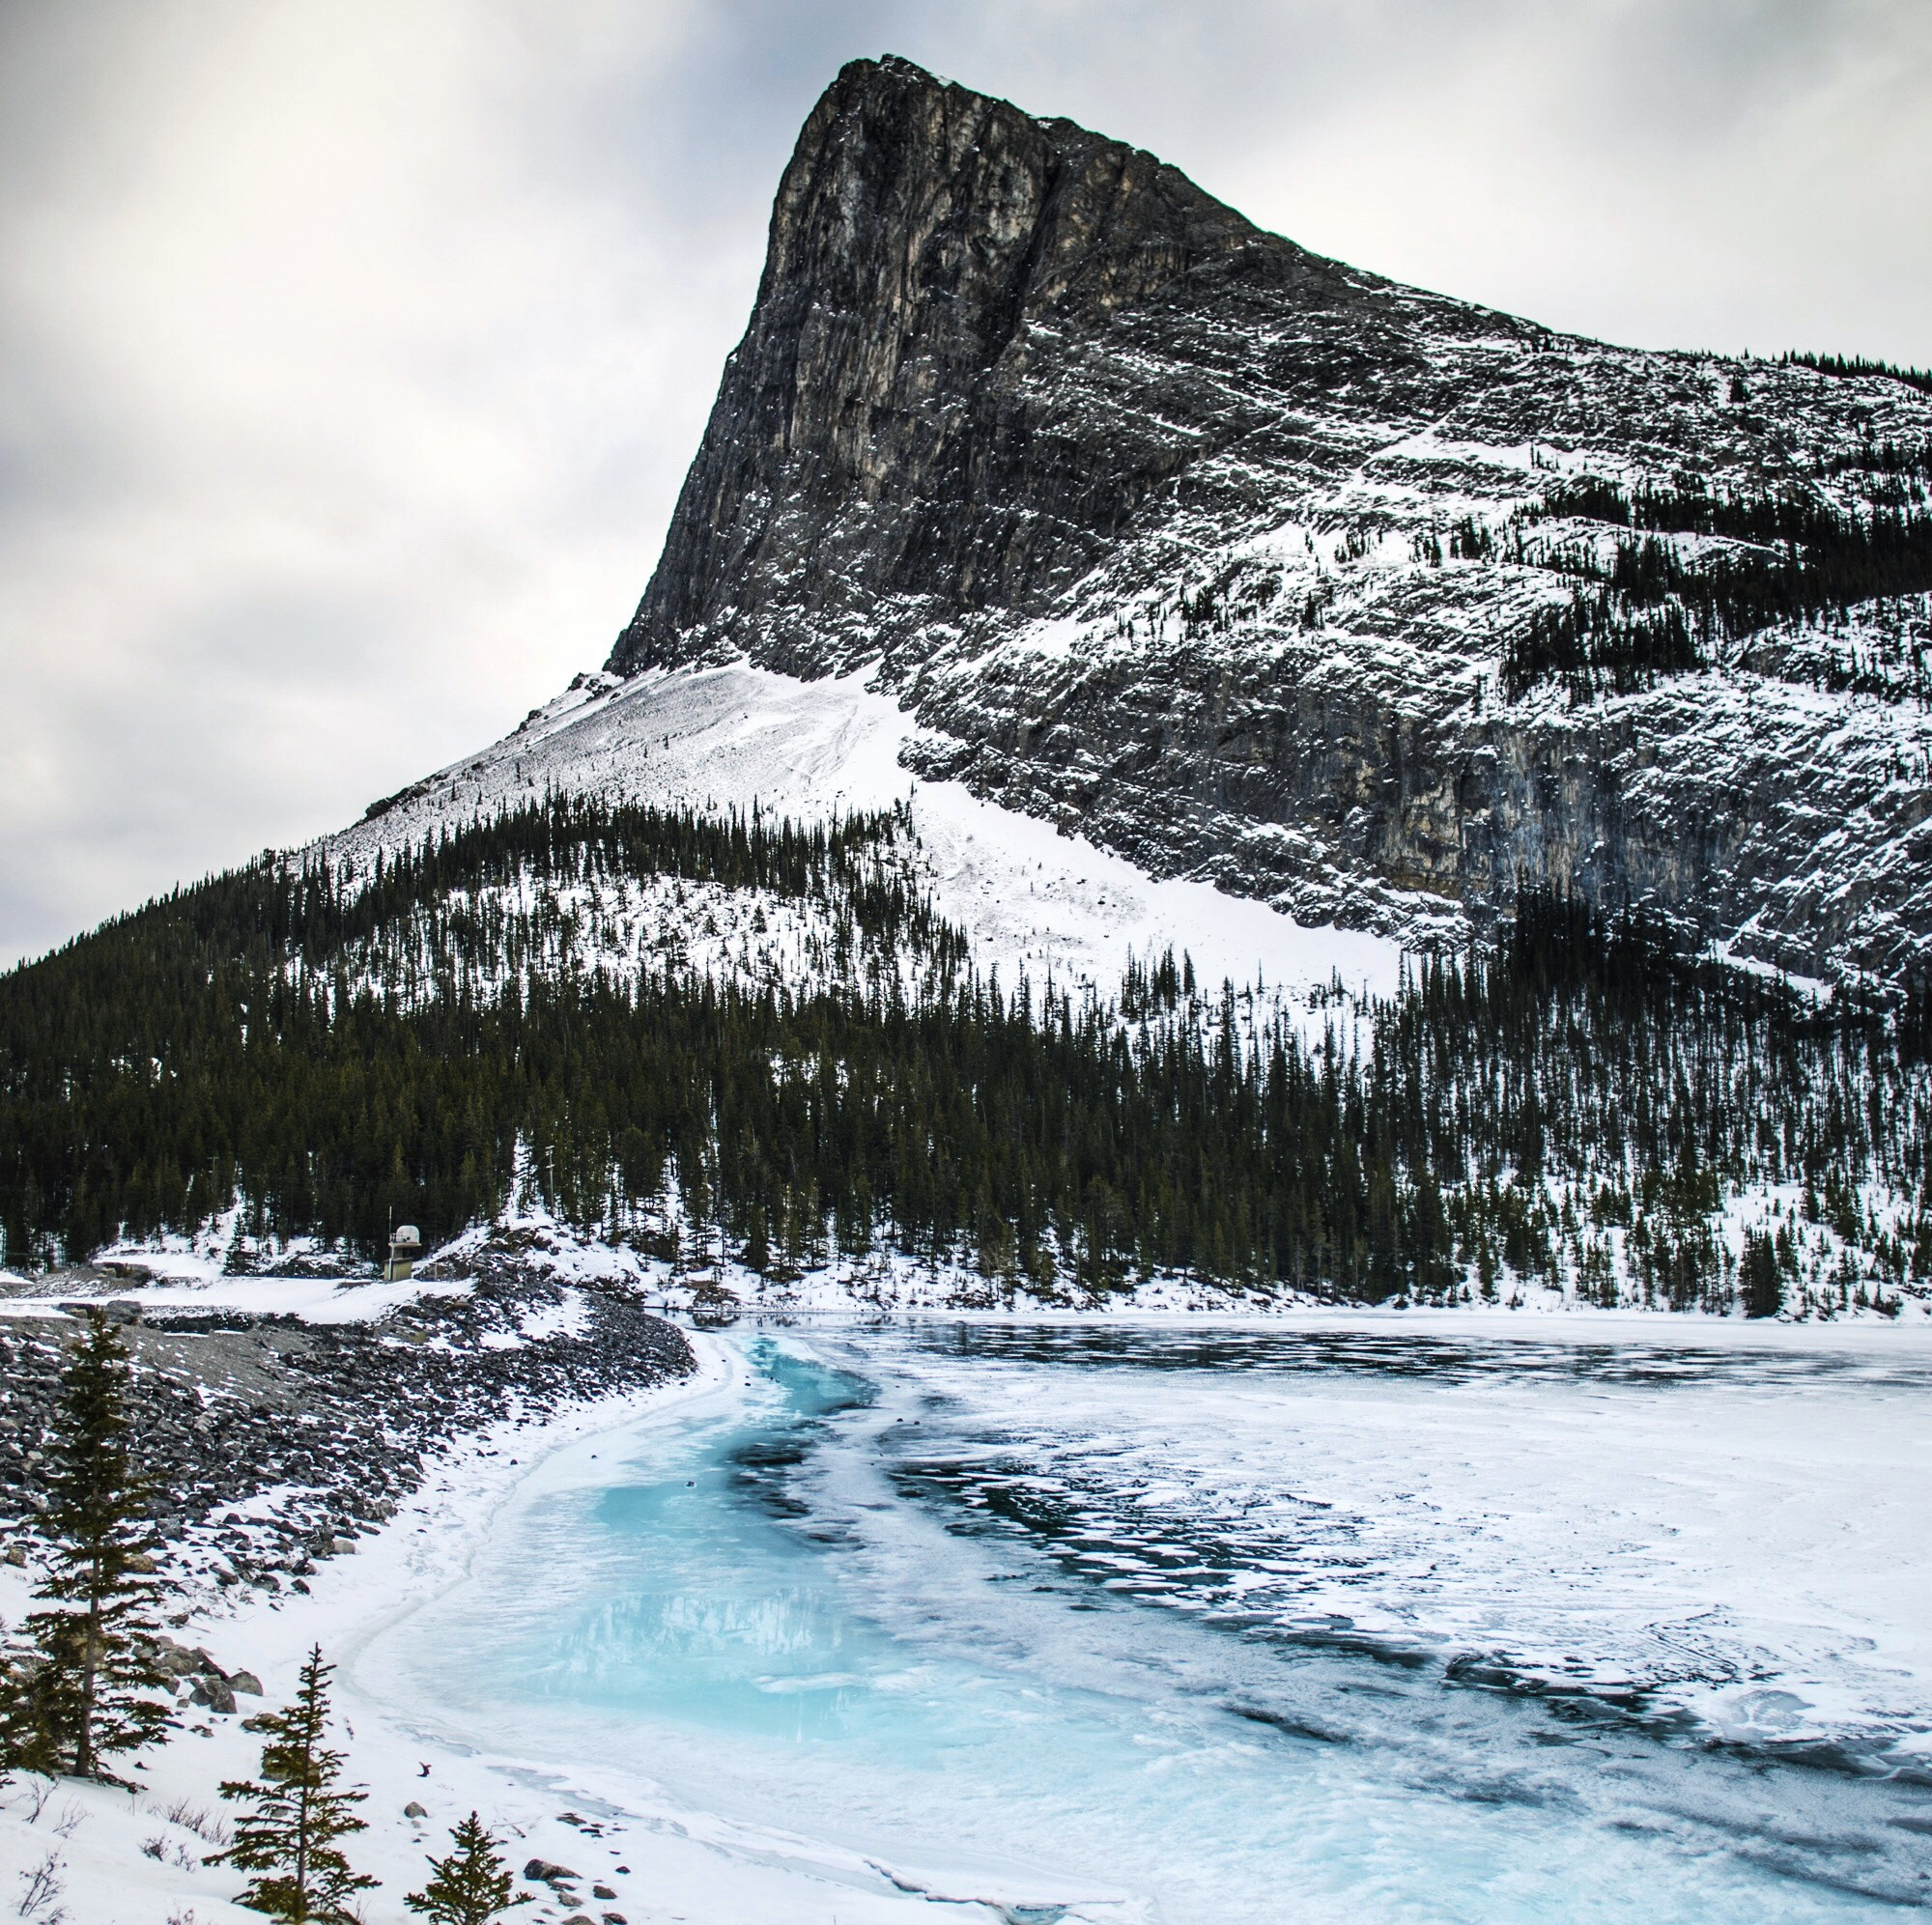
<point>176,1272</point>
<point>314,1300</point>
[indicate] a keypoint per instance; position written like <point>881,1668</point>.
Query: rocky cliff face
<point>1217,551</point>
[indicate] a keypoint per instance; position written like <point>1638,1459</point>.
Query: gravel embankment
<point>274,1441</point>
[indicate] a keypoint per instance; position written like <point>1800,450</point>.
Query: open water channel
<point>1145,1623</point>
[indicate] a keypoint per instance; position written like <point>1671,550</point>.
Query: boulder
<point>212,1693</point>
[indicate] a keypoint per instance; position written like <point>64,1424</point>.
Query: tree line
<point>1651,611</point>
<point>211,1048</point>
<point>1609,1093</point>
<point>1572,1099</point>
<point>1857,366</point>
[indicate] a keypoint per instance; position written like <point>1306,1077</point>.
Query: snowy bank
<point>116,1858</point>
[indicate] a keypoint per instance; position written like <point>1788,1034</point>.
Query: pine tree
<point>470,1886</point>
<point>944,1118</point>
<point>1764,1294</point>
<point>299,1813</point>
<point>82,1691</point>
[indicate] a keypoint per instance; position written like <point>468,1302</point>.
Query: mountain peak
<point>923,241</point>
<point>1253,566</point>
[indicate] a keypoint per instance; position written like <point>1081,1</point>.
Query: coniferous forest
<point>1856,366</point>
<point>1644,606</point>
<point>745,1037</point>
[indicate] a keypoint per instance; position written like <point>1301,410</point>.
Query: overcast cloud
<point>351,356</point>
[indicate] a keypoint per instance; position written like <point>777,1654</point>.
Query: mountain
<point>1258,568</point>
<point>1073,577</point>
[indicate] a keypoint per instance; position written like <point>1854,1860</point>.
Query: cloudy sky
<point>351,354</point>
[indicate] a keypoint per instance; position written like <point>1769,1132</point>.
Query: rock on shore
<point>276,1441</point>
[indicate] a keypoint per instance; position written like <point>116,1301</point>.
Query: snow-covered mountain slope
<point>1246,563</point>
<point>1030,901</point>
<point>1053,906</point>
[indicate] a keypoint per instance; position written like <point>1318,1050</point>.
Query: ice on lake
<point>1133,1623</point>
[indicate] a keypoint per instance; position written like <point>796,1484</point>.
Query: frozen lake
<point>1131,1622</point>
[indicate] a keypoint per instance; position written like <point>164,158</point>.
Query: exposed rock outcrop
<point>1152,516</point>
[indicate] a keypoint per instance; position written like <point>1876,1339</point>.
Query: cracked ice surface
<point>1412,1619</point>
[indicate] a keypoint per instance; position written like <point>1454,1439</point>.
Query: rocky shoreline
<point>276,1441</point>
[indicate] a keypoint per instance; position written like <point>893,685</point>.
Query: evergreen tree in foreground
<point>470,1886</point>
<point>82,1691</point>
<point>288,1839</point>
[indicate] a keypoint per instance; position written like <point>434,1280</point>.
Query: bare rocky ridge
<point>943,401</point>
<point>1128,500</point>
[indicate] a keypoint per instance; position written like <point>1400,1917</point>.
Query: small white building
<point>405,1247</point>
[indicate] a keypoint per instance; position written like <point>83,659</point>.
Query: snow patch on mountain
<point>1033,901</point>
